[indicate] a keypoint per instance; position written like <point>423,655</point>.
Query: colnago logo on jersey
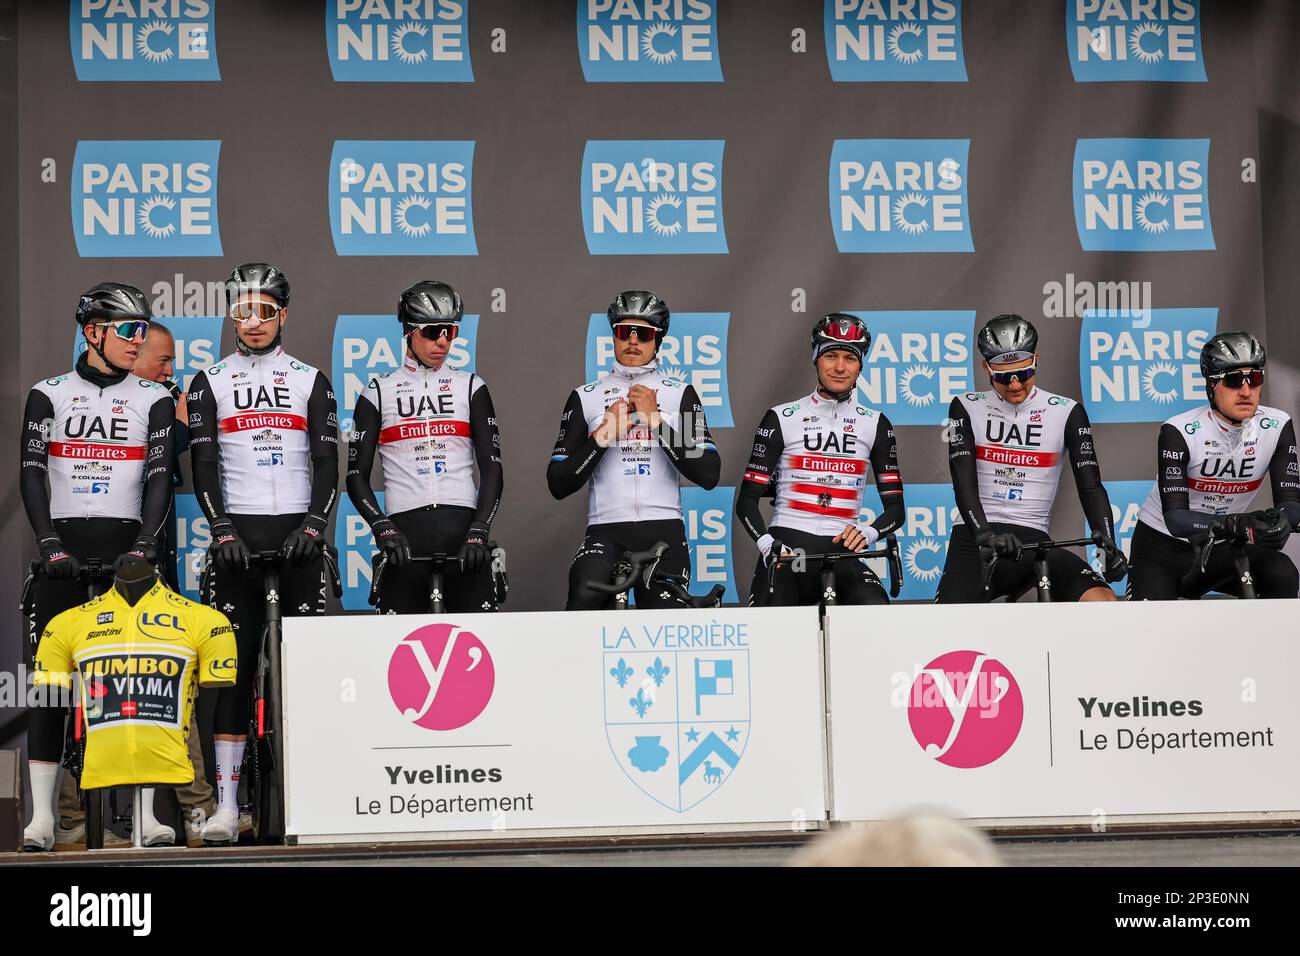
<point>1142,194</point>
<point>902,41</point>
<point>649,41</point>
<point>367,346</point>
<point>1126,499</point>
<point>197,339</point>
<point>399,41</point>
<point>193,538</point>
<point>922,540</point>
<point>1149,40</point>
<point>900,195</point>
<point>653,196</point>
<point>162,40</point>
<point>356,546</point>
<point>1143,370</point>
<point>694,352</point>
<point>402,198</point>
<point>918,363</point>
<point>135,198</point>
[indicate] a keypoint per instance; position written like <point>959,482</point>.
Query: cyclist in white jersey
<point>1212,462</point>
<point>634,435</point>
<point>813,454</point>
<point>1006,448</point>
<point>432,425</point>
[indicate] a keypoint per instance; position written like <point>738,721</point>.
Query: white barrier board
<point>420,726</point>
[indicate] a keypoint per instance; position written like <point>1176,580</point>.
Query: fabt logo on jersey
<point>1126,499</point>
<point>895,41</point>
<point>653,196</point>
<point>193,538</point>
<point>402,198</point>
<point>918,363</point>
<point>1140,370</point>
<point>708,535</point>
<point>356,547</point>
<point>649,41</point>
<point>143,39</point>
<point>1134,40</point>
<point>922,540</point>
<point>694,352</point>
<point>965,709</point>
<point>398,41</point>
<point>133,198</point>
<point>900,195</point>
<point>1142,194</point>
<point>367,346</point>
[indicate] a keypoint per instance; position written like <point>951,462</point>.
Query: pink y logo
<point>965,709</point>
<point>449,694</point>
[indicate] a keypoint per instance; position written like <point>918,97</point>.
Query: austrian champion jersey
<point>1219,467</point>
<point>139,668</point>
<point>97,441</point>
<point>425,439</point>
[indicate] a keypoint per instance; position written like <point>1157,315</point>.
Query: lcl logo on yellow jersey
<point>149,622</point>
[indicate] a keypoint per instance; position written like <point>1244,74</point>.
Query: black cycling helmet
<point>1227,352</point>
<point>429,301</point>
<point>840,330</point>
<point>640,305</point>
<point>258,277</point>
<point>1007,338</point>
<point>111,301</point>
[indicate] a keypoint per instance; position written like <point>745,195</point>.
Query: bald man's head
<point>157,354</point>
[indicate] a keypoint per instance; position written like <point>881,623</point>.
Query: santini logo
<point>1135,40</point>
<point>399,41</point>
<point>77,909</point>
<point>895,40</point>
<point>649,41</point>
<point>143,40</point>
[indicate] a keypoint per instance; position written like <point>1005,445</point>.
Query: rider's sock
<point>147,820</point>
<point>45,780</point>
<point>230,757</point>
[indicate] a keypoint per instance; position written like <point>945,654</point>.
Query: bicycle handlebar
<point>989,557</point>
<point>889,552</point>
<point>636,561</point>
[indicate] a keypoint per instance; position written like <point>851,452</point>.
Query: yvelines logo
<point>965,709</point>
<point>161,40</point>
<point>900,195</point>
<point>1143,370</point>
<point>922,540</point>
<point>1142,194</point>
<point>900,41</point>
<point>649,41</point>
<point>918,363</point>
<point>402,198</point>
<point>1135,40</point>
<point>441,677</point>
<point>136,198</point>
<point>653,196</point>
<point>694,352</point>
<point>399,41</point>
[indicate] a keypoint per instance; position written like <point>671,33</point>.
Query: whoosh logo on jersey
<point>1142,194</point>
<point>1126,499</point>
<point>649,41</point>
<point>133,198</point>
<point>367,346</point>
<point>653,197</point>
<point>694,352</point>
<point>1134,40</point>
<point>900,195</point>
<point>922,540</point>
<point>965,709</point>
<point>895,40</point>
<point>399,41</point>
<point>918,363</point>
<point>402,198</point>
<point>1144,370</point>
<point>166,40</point>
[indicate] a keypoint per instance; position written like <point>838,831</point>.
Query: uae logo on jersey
<point>1142,194</point>
<point>900,195</point>
<point>144,40</point>
<point>922,540</point>
<point>1134,40</point>
<point>918,363</point>
<point>1144,369</point>
<point>399,41</point>
<point>645,197</point>
<point>402,198</point>
<point>883,40</point>
<point>649,41</point>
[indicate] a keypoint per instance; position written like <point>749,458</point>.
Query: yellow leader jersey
<point>140,666</point>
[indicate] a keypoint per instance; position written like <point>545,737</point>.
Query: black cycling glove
<point>229,552</point>
<point>304,545</point>
<point>57,563</point>
<point>394,545</point>
<point>474,553</point>
<point>1002,543</point>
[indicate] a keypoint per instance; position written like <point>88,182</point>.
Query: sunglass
<point>254,313</point>
<point>436,330</point>
<point>129,328</point>
<point>847,332</point>
<point>624,331</point>
<point>1234,380</point>
<point>1006,378</point>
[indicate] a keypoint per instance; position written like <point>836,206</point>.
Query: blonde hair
<point>910,841</point>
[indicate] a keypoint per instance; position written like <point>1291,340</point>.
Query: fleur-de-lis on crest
<point>621,673</point>
<point>658,672</point>
<point>640,702</point>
